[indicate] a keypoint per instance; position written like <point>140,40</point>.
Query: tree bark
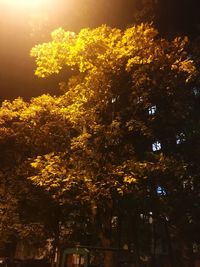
<point>187,256</point>
<point>169,243</point>
<point>136,241</point>
<point>108,254</point>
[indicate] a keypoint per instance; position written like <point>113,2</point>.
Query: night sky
<point>23,27</point>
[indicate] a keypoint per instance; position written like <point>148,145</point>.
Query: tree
<point>131,111</point>
<point>116,147</point>
<point>28,214</point>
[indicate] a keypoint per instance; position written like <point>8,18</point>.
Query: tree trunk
<point>103,222</point>
<point>108,259</point>
<point>136,240</point>
<point>153,245</point>
<point>55,257</point>
<point>169,244</point>
<point>108,254</point>
<point>187,256</point>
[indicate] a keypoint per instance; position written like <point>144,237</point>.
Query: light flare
<point>25,3</point>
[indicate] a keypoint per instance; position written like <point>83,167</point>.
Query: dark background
<point>21,27</point>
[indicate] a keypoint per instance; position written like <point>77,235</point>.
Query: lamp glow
<point>25,3</point>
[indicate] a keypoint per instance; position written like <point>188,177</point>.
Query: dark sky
<point>23,26</point>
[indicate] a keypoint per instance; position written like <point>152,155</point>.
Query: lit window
<point>195,91</point>
<point>147,218</point>
<point>195,247</point>
<point>185,184</point>
<point>152,110</point>
<point>139,99</point>
<point>161,191</point>
<point>113,100</point>
<point>180,138</point>
<point>141,215</point>
<point>156,146</point>
<point>188,184</point>
<point>150,217</point>
<point>114,221</point>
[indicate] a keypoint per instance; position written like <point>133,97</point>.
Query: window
<point>150,217</point>
<point>195,247</point>
<point>152,110</point>
<point>161,191</point>
<point>147,218</point>
<point>138,100</point>
<point>180,138</point>
<point>195,91</point>
<point>188,184</point>
<point>114,221</point>
<point>113,100</point>
<point>156,146</point>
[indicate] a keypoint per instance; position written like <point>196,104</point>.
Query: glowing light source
<point>25,3</point>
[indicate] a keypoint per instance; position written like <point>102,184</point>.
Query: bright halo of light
<point>25,3</point>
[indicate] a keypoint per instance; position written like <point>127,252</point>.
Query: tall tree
<point>117,146</point>
<point>28,214</point>
<point>132,109</point>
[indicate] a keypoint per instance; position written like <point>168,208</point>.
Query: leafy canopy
<point>117,75</point>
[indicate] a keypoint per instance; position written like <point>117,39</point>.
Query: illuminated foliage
<point>91,148</point>
<point>116,68</point>
<point>118,76</point>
